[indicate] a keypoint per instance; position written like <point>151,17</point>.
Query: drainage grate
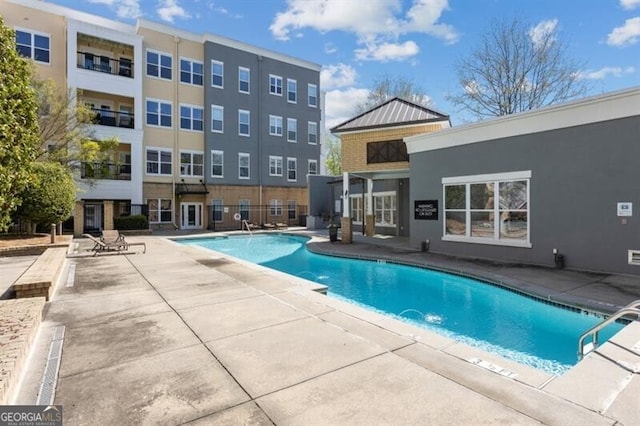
<point>50,377</point>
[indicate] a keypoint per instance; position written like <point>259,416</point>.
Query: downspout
<point>174,170</point>
<point>262,212</point>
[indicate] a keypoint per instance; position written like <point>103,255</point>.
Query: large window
<point>244,122</point>
<point>385,209</point>
<point>275,207</point>
<point>312,91</point>
<point>275,84</point>
<point>159,161</point>
<point>217,74</point>
<point>244,206</point>
<point>36,46</point>
<point>191,72</point>
<point>244,165</point>
<point>217,119</point>
<point>275,166</point>
<point>191,163</point>
<point>158,113</point>
<point>292,91</point>
<point>292,130</point>
<point>244,76</point>
<point>191,118</point>
<point>216,206</point>
<point>292,208</point>
<point>491,209</point>
<point>387,152</point>
<point>160,210</point>
<point>159,64</point>
<point>275,125</point>
<point>312,128</point>
<point>355,203</point>
<point>292,169</point>
<point>217,164</point>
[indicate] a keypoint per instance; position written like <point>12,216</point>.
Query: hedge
<point>136,222</point>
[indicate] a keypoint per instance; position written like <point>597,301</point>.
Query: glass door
<point>191,217</point>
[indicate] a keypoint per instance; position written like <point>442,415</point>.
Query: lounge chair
<point>281,225</point>
<point>114,238</point>
<point>100,245</point>
<point>269,226</point>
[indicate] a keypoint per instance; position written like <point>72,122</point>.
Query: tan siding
<point>354,146</point>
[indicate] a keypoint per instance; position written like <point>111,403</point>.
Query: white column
<point>345,195</point>
<point>369,197</point>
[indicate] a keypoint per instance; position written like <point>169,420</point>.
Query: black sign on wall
<point>426,210</point>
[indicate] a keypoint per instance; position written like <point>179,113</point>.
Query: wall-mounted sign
<point>625,209</point>
<point>426,210</point>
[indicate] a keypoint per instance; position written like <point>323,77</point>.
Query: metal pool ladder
<point>583,349</point>
<point>245,224</point>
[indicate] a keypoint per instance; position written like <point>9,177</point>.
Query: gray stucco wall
<point>260,145</point>
<point>579,175</point>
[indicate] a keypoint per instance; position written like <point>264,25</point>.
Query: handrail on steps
<point>246,224</point>
<point>631,308</point>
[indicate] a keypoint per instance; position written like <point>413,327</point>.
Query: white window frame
<point>160,102</point>
<point>294,92</point>
<point>191,166</point>
<point>159,210</point>
<point>275,164</point>
<point>221,153</point>
<point>311,124</point>
<point>275,86</point>
<point>294,169</point>
<point>191,72</point>
<point>309,163</point>
<point>312,88</point>
<point>159,64</point>
<point>275,207</point>
<point>496,179</point>
<point>241,113</point>
<point>32,43</point>
<point>395,210</point>
<point>220,86</point>
<point>292,123</point>
<point>191,118</point>
<point>247,156</point>
<point>217,202</point>
<point>275,119</point>
<point>240,80</point>
<point>221,109</point>
<point>356,204</point>
<point>159,161</point>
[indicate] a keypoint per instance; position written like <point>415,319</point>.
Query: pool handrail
<point>631,308</point>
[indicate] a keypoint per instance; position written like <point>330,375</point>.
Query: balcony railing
<point>108,171</point>
<point>108,117</point>
<point>105,64</point>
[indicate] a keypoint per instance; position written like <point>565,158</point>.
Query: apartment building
<point>209,129</point>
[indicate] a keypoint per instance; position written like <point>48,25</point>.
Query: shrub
<point>137,222</point>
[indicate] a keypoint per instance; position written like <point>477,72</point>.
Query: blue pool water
<point>481,315</point>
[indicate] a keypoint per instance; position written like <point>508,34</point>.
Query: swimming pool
<point>481,315</point>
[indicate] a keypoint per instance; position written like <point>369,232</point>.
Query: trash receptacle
<point>559,261</point>
<point>333,233</point>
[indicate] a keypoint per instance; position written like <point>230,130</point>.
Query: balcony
<point>108,171</point>
<point>107,117</point>
<point>104,64</point>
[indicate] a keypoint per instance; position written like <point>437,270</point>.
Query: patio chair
<point>281,225</point>
<point>114,239</point>
<point>101,246</point>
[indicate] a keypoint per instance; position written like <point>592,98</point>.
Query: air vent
<point>634,257</point>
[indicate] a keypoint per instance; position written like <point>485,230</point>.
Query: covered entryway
<point>191,216</point>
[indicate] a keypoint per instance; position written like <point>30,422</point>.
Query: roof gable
<point>393,112</point>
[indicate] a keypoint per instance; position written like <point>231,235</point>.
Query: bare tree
<point>387,87</point>
<point>516,67</point>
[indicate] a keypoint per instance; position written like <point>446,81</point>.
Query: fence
<point>228,217</point>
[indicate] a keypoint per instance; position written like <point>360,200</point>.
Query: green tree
<point>50,198</point>
<point>334,156</point>
<point>64,132</point>
<point>19,135</point>
<point>517,67</point>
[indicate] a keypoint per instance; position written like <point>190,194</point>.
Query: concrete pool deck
<point>184,335</point>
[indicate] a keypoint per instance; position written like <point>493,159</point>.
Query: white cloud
<point>341,104</point>
<point>542,30</point>
<point>336,76</point>
<point>385,52</point>
<point>604,72</point>
<point>126,9</point>
<point>375,23</point>
<point>170,9</point>
<point>629,33</point>
<point>629,4</point>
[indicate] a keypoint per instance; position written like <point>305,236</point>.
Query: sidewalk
<point>180,335</point>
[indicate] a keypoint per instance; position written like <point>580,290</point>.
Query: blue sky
<point>358,41</point>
